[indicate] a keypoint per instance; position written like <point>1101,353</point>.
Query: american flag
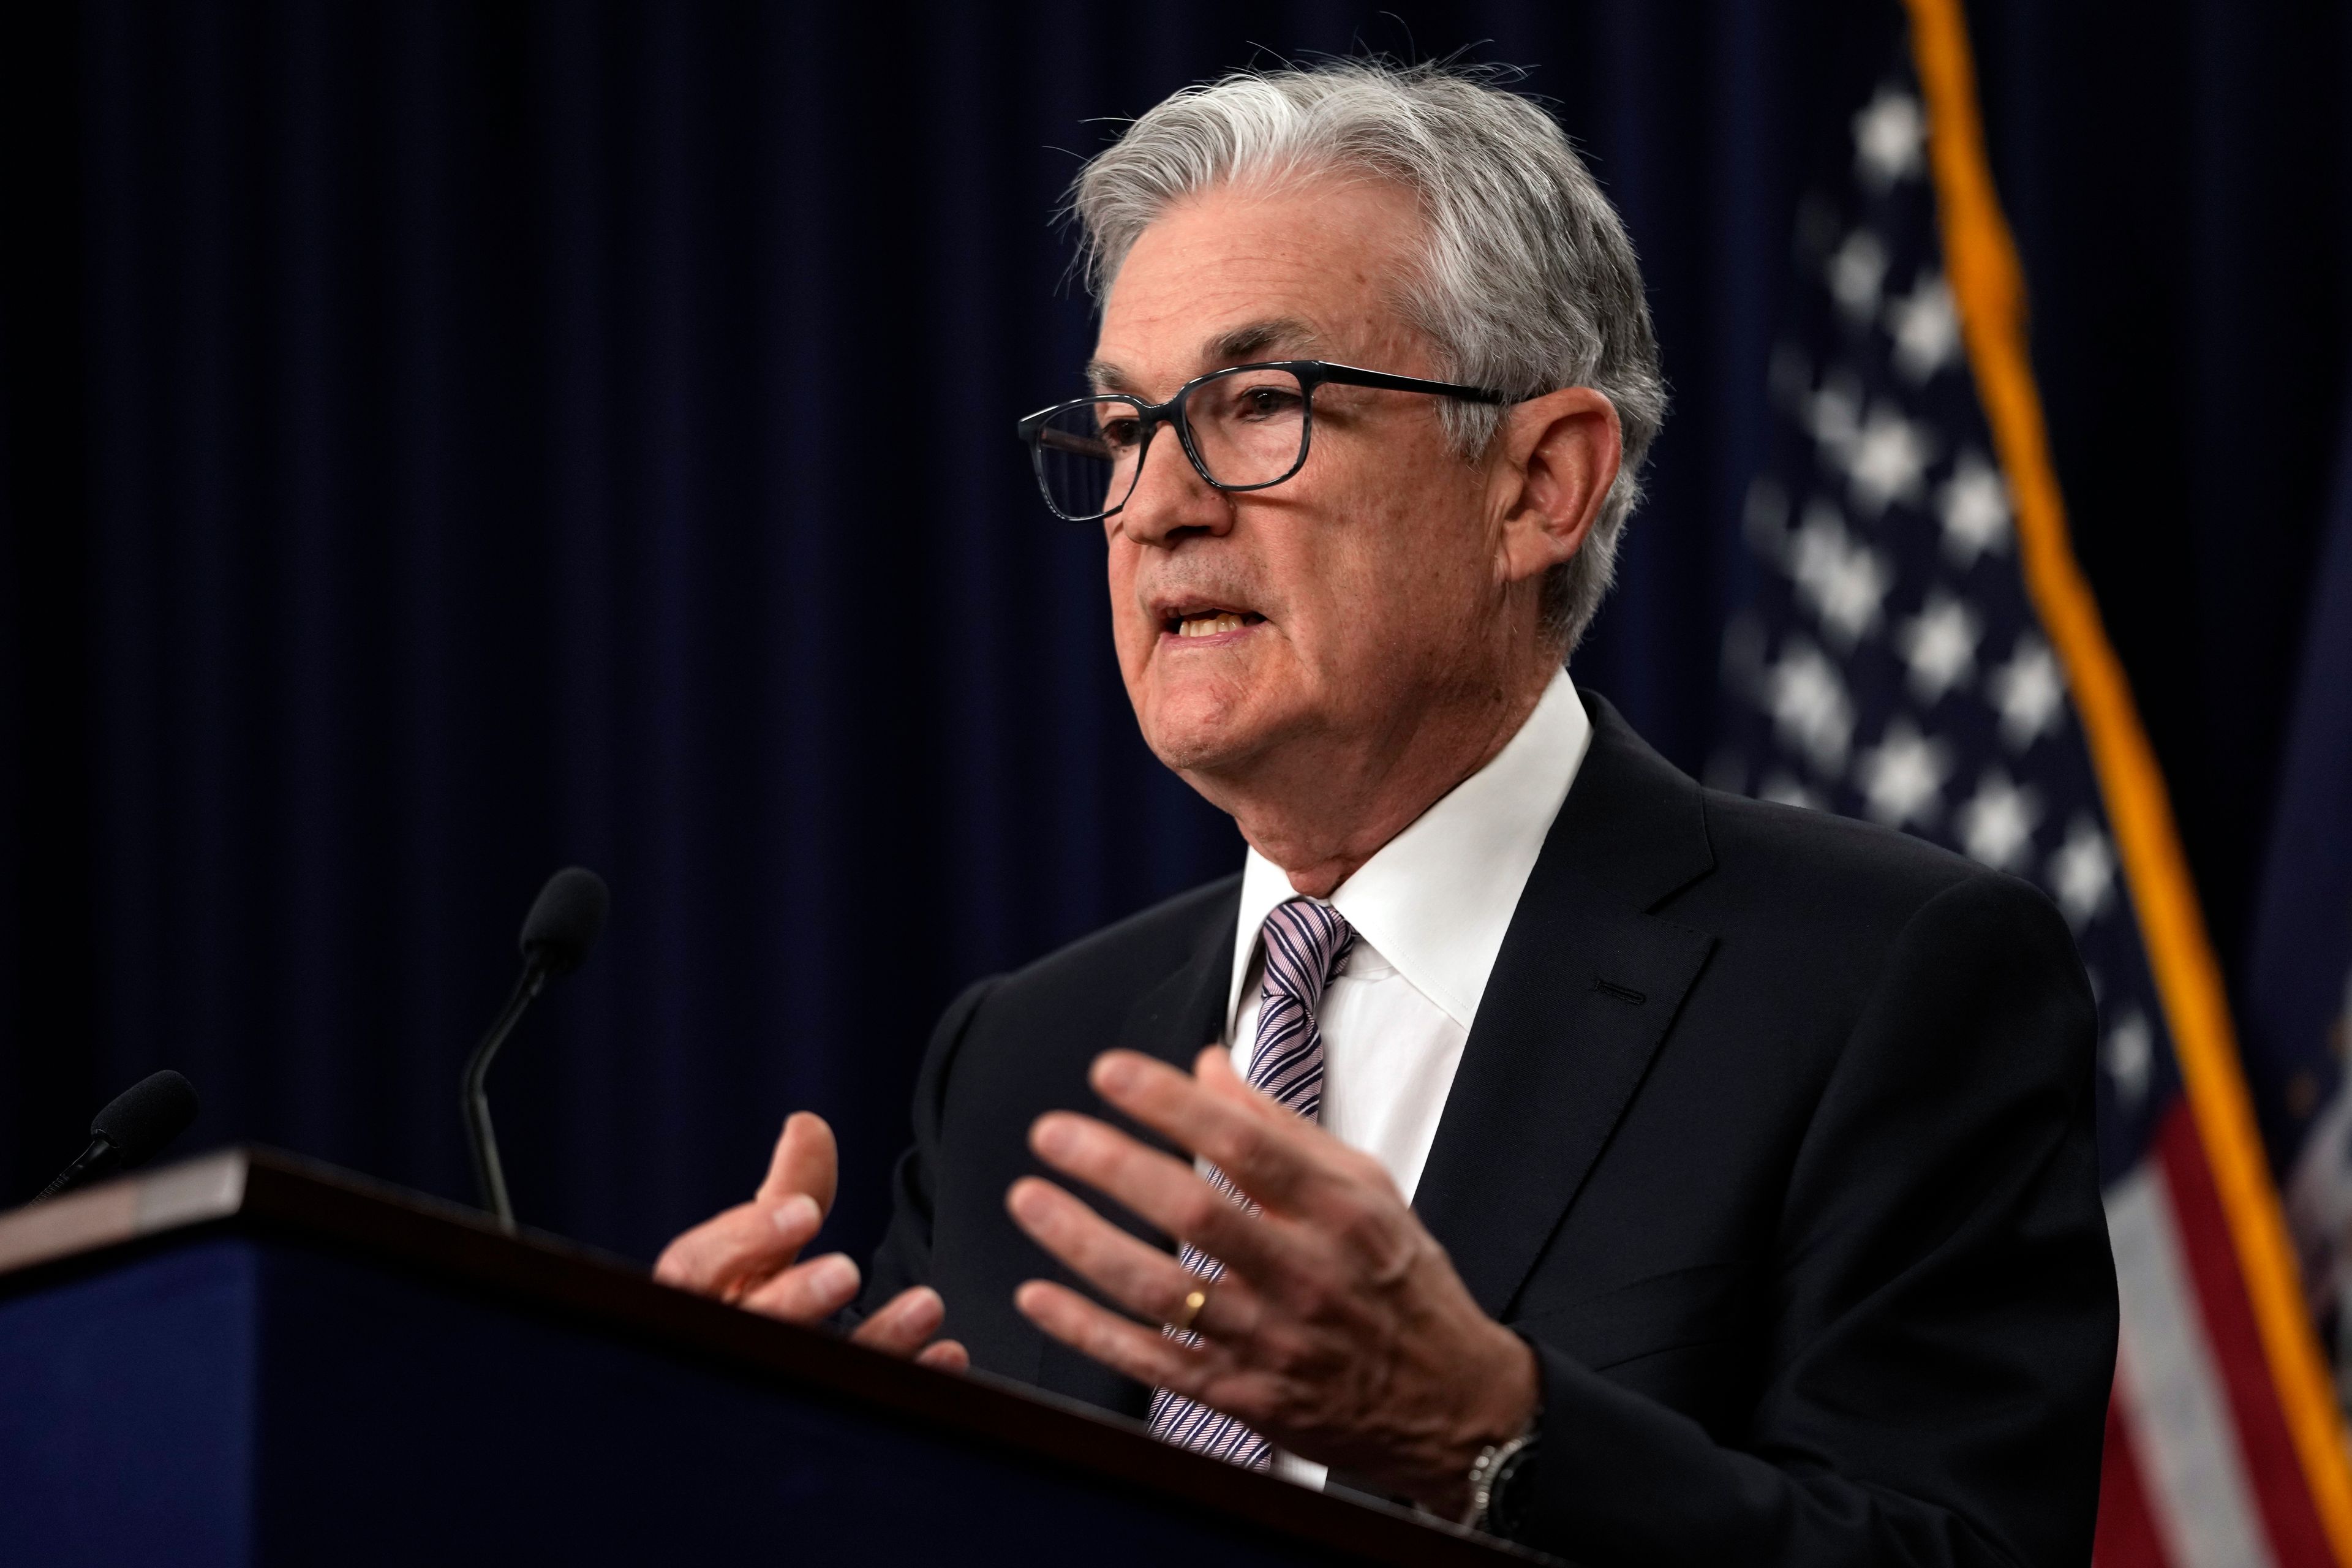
<point>1918,653</point>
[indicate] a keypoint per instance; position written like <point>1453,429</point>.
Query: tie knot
<point>1305,943</point>
<point>1306,939</point>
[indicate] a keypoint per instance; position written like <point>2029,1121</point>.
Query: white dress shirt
<point>1429,911</point>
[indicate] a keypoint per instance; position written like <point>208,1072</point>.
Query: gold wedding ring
<point>1191,1311</point>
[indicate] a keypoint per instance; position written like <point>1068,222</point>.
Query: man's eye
<point>1268,403</point>
<point>1121,434</point>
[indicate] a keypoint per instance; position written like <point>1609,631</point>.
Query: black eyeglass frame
<point>1310,373</point>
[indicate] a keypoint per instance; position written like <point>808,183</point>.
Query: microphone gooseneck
<point>133,1129</point>
<point>563,922</point>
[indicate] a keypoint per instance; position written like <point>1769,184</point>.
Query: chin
<point>1194,732</point>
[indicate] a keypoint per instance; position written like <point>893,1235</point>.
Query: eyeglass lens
<point>1248,428</point>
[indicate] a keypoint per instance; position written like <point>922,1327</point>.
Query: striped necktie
<point>1306,942</point>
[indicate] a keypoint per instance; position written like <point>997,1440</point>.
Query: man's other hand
<point>1340,1329</point>
<point>750,1255</point>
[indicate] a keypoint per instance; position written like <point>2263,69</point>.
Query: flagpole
<point>1988,286</point>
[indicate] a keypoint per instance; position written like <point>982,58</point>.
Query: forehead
<point>1306,269</point>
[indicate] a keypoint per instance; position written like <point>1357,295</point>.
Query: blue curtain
<point>449,441</point>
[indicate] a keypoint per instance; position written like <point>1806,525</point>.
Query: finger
<point>1214,1070</point>
<point>1164,1192</point>
<point>1276,1160</point>
<point>806,1161</point>
<point>1350,1196</point>
<point>815,1290</point>
<point>906,1325</point>
<point>740,1248</point>
<point>1146,1355</point>
<point>946,1355</point>
<point>1143,1279</point>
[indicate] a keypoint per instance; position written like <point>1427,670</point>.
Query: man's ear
<point>1557,456</point>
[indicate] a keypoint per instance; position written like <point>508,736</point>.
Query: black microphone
<point>130,1130</point>
<point>556,935</point>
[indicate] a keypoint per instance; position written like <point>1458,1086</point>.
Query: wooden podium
<point>248,1359</point>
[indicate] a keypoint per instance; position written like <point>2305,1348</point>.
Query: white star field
<point>1896,669</point>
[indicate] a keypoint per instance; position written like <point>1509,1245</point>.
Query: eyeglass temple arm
<point>1381,381</point>
<point>1064,441</point>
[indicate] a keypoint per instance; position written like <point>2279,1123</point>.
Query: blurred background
<point>448,441</point>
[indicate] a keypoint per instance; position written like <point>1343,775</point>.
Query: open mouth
<point>1208,623</point>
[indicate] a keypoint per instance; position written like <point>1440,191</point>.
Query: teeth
<point>1208,624</point>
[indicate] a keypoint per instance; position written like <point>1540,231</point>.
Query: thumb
<point>806,1161</point>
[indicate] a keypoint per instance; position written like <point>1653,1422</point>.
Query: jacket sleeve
<point>904,1258</point>
<point>1942,1318</point>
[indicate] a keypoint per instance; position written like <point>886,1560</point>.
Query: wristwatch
<point>1496,1506</point>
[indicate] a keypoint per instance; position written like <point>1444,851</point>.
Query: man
<point>1651,1175</point>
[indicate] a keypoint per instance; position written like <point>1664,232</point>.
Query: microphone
<point>130,1130</point>
<point>556,935</point>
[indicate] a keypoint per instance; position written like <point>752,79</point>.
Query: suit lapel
<point>1171,1021</point>
<point>1187,1011</point>
<point>1583,992</point>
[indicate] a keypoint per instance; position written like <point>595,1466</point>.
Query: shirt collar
<point>1436,899</point>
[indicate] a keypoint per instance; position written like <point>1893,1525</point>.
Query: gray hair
<point>1528,283</point>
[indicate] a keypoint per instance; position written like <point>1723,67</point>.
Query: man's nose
<point>1171,499</point>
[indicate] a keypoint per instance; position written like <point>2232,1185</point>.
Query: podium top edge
<point>273,1193</point>
<point>240,1180</point>
<point>98,1218</point>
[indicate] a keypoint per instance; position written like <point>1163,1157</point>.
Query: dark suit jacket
<point>1773,1136</point>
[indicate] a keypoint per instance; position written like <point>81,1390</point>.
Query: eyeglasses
<point>1244,428</point>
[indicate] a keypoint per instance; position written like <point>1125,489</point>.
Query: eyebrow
<point>1236,345</point>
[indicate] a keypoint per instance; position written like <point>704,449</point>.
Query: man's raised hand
<point>1339,1329</point>
<point>750,1255</point>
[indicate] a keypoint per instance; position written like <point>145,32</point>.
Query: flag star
<point>1857,271</point>
<point>1890,137</point>
<point>1888,460</point>
<point>2028,692</point>
<point>1810,708</point>
<point>1974,505</point>
<point>2130,1056</point>
<point>1926,329</point>
<point>1787,789</point>
<point>1843,579</point>
<point>1997,825</point>
<point>1939,644</point>
<point>1903,776</point>
<point>2083,872</point>
<point>1832,415</point>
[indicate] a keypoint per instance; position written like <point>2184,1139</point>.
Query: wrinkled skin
<point>1340,1329</point>
<point>1392,589</point>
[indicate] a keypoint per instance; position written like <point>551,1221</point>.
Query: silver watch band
<point>1487,1470</point>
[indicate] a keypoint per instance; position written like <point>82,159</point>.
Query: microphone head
<point>564,920</point>
<point>149,1114</point>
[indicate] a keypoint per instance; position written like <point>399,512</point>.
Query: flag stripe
<point>2199,1500</point>
<point>2126,1536</point>
<point>1988,286</point>
<point>2263,1435</point>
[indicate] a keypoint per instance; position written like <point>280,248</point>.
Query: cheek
<point>1412,568</point>
<point>1126,621</point>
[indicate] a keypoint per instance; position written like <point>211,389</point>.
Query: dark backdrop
<point>447,441</point>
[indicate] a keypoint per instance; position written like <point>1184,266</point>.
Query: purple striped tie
<point>1306,942</point>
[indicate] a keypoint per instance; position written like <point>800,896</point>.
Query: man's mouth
<point>1209,623</point>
